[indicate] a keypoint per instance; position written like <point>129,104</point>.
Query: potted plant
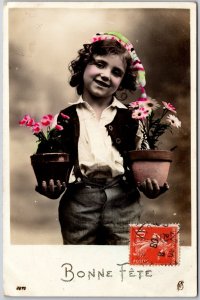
<point>154,120</point>
<point>49,161</point>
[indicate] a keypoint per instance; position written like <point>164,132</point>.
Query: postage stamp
<point>154,244</point>
<point>80,237</point>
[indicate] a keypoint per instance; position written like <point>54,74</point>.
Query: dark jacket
<point>122,131</point>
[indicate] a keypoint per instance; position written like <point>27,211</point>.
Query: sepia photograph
<point>100,129</point>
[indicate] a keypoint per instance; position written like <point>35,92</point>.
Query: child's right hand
<point>52,190</point>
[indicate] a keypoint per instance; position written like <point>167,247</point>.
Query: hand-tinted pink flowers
<point>24,121</point>
<point>65,116</point>
<point>59,127</point>
<point>169,106</point>
<point>47,120</point>
<point>36,128</point>
<point>47,131</point>
<point>140,113</point>
<point>153,124</point>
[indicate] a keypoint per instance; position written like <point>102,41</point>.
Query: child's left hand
<point>151,189</point>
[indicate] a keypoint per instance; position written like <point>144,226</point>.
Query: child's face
<point>102,77</point>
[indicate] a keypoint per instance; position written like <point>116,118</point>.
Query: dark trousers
<point>98,212</point>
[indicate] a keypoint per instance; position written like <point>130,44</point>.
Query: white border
<point>57,255</point>
<point>172,5</point>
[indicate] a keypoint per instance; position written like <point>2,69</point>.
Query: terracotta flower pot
<point>152,164</point>
<point>48,166</point>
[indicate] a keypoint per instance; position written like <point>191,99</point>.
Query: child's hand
<point>52,191</point>
<point>151,189</point>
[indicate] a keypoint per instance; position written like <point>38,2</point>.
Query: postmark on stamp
<point>154,244</point>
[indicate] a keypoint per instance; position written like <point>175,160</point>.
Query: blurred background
<point>42,42</point>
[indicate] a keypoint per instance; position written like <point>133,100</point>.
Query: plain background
<point>42,42</point>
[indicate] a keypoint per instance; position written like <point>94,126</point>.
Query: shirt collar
<point>115,103</point>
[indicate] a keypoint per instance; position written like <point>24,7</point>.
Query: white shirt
<point>96,153</point>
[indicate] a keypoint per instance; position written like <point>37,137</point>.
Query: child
<point>101,199</point>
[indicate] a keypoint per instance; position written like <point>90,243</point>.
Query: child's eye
<point>100,65</point>
<point>117,73</point>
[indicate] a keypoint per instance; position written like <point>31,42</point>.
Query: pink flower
<point>47,120</point>
<point>24,120</point>
<point>59,127</point>
<point>30,122</point>
<point>36,128</point>
<point>150,104</point>
<point>169,106</point>
<point>140,113</point>
<point>51,117</point>
<point>65,116</point>
<point>134,104</point>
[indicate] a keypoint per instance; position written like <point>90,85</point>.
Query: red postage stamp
<point>154,244</point>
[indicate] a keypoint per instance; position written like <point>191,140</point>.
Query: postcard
<point>84,84</point>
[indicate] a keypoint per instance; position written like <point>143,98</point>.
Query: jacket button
<point>118,141</point>
<point>110,127</point>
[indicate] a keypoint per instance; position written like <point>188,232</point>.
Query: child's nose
<point>105,75</point>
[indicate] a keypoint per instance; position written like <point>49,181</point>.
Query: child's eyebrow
<point>99,60</point>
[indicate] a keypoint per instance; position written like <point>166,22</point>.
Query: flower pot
<point>152,164</point>
<point>48,166</point>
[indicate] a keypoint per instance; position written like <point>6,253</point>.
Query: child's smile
<point>102,83</point>
<point>103,76</point>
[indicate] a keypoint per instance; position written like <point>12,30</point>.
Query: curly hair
<point>102,48</point>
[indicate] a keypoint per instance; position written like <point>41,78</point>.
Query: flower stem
<point>41,136</point>
<point>165,111</point>
<point>145,132</point>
